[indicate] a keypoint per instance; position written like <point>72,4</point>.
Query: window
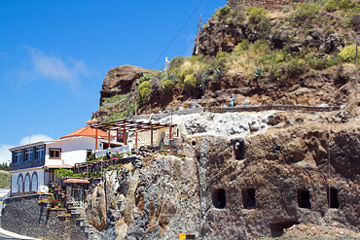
<point>40,152</point>
<point>248,198</point>
<point>304,199</point>
<point>18,156</point>
<point>55,153</point>
<point>219,198</point>
<point>28,154</point>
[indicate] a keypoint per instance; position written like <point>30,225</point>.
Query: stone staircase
<point>78,216</point>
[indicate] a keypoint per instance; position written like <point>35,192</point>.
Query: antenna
<point>30,135</point>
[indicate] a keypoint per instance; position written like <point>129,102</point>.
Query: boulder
<point>119,80</point>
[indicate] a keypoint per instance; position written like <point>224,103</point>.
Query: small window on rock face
<point>304,199</point>
<point>219,198</point>
<point>193,143</point>
<point>248,198</point>
<point>239,150</point>
<point>332,197</point>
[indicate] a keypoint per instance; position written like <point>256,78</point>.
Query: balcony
<point>28,164</point>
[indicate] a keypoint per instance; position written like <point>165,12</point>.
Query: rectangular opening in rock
<point>248,198</point>
<point>277,228</point>
<point>332,197</point>
<point>239,149</point>
<point>304,199</point>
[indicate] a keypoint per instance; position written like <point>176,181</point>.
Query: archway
<point>27,183</point>
<point>34,182</point>
<point>20,183</point>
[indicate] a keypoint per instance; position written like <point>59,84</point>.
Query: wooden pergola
<point>124,125</point>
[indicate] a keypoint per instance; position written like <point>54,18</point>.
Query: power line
<point>177,34</point>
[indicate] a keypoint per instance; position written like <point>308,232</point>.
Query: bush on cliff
<point>145,91</point>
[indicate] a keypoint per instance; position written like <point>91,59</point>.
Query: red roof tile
<point>87,131</point>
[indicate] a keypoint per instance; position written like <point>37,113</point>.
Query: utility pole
<point>136,134</point>
<point>197,39</point>
<point>356,72</point>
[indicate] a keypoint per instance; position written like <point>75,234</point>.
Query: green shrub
<point>305,11</point>
<point>333,60</point>
<point>169,85</point>
<point>145,91</point>
<point>190,81</point>
<point>243,46</point>
<point>221,13</point>
<point>144,77</point>
<point>348,53</point>
<point>286,9</point>
<point>65,173</point>
<point>176,62</point>
<point>256,14</point>
<point>346,4</point>
<point>187,71</point>
<point>331,5</point>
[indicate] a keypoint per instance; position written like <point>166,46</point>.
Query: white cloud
<point>34,139</point>
<point>5,154</point>
<point>46,66</point>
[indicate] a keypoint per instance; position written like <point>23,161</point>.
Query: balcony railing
<point>28,164</point>
<point>122,149</point>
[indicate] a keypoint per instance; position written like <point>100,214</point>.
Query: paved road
<point>7,235</point>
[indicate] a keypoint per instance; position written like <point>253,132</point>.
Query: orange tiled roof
<point>72,180</point>
<point>87,131</point>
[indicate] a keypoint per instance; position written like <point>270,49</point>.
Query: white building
<point>33,164</point>
<point>4,193</point>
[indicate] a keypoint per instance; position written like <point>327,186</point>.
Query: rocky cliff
<point>297,169</point>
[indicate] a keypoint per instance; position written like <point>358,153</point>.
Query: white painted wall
<point>15,175</point>
<point>72,151</point>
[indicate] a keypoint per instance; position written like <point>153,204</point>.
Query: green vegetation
<point>65,173</point>
<point>5,179</point>
<point>348,53</point>
<point>257,56</point>
<point>5,167</point>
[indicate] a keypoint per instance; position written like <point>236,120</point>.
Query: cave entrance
<point>219,198</point>
<point>277,228</point>
<point>304,199</point>
<point>248,198</point>
<point>332,197</point>
<point>239,149</point>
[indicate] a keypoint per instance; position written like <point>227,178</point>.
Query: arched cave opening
<point>304,199</point>
<point>193,143</point>
<point>277,228</point>
<point>248,198</point>
<point>332,197</point>
<point>219,198</point>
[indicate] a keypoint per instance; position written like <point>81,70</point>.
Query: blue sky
<point>54,56</point>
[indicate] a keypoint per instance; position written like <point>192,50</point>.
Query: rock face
<point>290,172</point>
<point>119,80</point>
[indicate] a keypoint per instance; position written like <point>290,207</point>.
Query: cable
<point>177,34</point>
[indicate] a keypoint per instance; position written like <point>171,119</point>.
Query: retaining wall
<point>25,215</point>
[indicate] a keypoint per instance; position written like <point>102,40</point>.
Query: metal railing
<point>110,151</point>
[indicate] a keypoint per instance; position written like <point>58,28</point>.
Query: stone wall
<point>24,215</point>
<point>269,4</point>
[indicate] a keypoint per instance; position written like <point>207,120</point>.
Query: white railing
<point>120,150</point>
